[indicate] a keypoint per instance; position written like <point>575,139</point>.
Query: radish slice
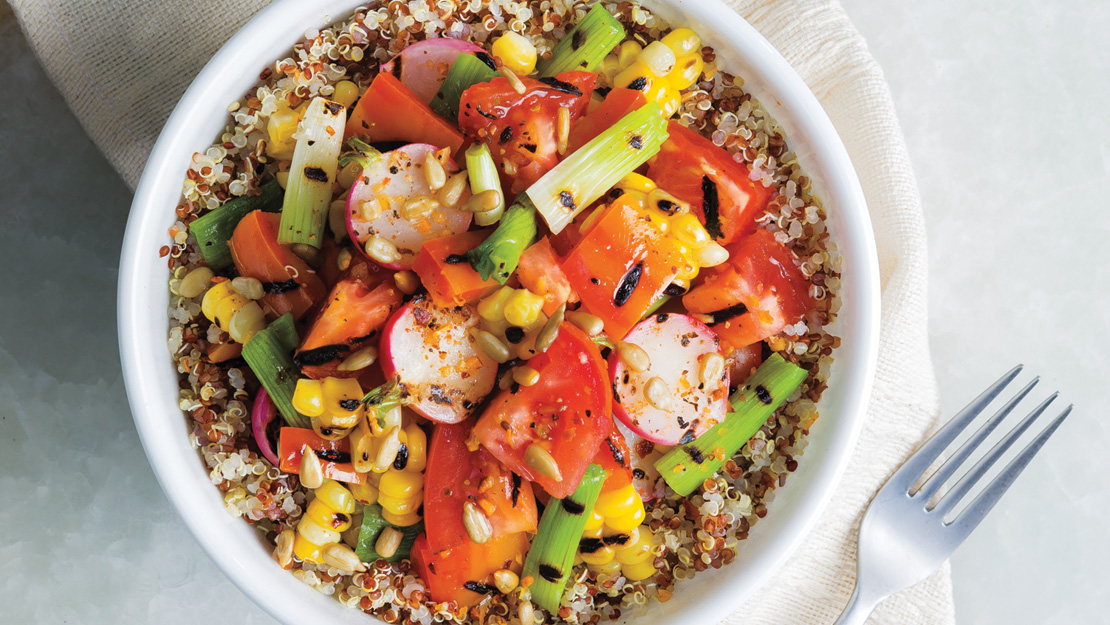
<point>397,177</point>
<point>645,477</point>
<point>422,66</point>
<point>265,425</point>
<point>431,352</point>
<point>674,343</point>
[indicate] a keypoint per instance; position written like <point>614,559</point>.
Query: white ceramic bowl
<point>151,378</point>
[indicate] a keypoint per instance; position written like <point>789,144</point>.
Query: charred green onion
<point>269,355</point>
<point>593,169</point>
<point>372,525</point>
<point>315,161</point>
<point>687,466</point>
<point>482,172</point>
<point>468,70</point>
<point>214,229</point>
<point>551,557</point>
<point>499,254</point>
<point>586,45</point>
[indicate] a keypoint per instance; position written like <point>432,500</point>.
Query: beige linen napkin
<point>122,69</point>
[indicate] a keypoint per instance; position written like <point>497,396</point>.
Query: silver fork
<point>904,536</point>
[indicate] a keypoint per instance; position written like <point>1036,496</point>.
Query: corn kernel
<point>315,533</point>
<point>659,58</point>
<point>492,308</point>
<point>307,551</point>
<point>346,93</point>
<point>365,493</point>
<point>683,41</point>
<point>398,505</point>
<point>627,522</point>
<point>400,484</point>
<point>418,448</point>
<point>400,520</point>
<point>628,52</point>
<point>324,516</point>
<point>636,182</point>
<point>515,52</point>
<point>595,522</point>
<point>308,397</point>
<point>336,496</point>
<point>340,392</point>
<point>639,571</point>
<point>523,307</point>
<point>601,556</point>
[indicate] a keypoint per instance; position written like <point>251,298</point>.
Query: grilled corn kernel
<point>640,570</point>
<point>660,71</point>
<point>627,522</point>
<point>346,93</point>
<point>342,396</point>
<point>325,516</point>
<point>280,127</point>
<point>637,549</point>
<point>620,502</point>
<point>627,53</point>
<point>229,310</point>
<point>336,496</point>
<point>659,58</point>
<point>683,41</point>
<point>492,308</point>
<point>306,550</point>
<point>400,484</point>
<point>523,307</point>
<point>315,533</point>
<point>365,493</point>
<point>595,522</point>
<point>397,505</point>
<point>308,397</point>
<point>400,520</point>
<point>515,52</point>
<point>636,183</point>
<point>604,555</point>
<point>417,445</point>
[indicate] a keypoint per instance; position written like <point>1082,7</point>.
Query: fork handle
<point>860,606</point>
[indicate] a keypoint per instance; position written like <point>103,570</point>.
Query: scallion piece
<point>360,152</point>
<point>372,525</point>
<point>499,254</point>
<point>213,230</point>
<point>686,467</point>
<point>594,168</point>
<point>315,161</point>
<point>270,356</point>
<point>482,172</point>
<point>586,45</point>
<point>551,557</point>
<point>382,399</point>
<point>468,70</point>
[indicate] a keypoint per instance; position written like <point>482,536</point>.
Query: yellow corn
<point>326,517</point>
<point>661,70</point>
<point>515,52</point>
<point>346,93</point>
<point>595,522</point>
<point>635,556</point>
<point>618,504</point>
<point>234,313</point>
<point>492,308</point>
<point>400,484</point>
<point>418,448</point>
<point>336,496</point>
<point>307,551</point>
<point>365,493</point>
<point>333,405</point>
<point>523,308</point>
<point>620,512</point>
<point>401,493</point>
<point>280,127</point>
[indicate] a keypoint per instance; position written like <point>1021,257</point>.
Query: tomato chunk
<point>447,275</point>
<point>621,267</point>
<point>568,412</point>
<point>614,456</point>
<point>617,104</point>
<point>719,189</point>
<point>456,475</point>
<point>352,317</point>
<point>522,127</point>
<point>755,295</point>
<point>390,111</point>
<point>335,456</point>
<point>456,574</point>
<point>539,272</point>
<point>290,284</point>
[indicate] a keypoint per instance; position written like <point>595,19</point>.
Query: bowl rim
<point>142,322</point>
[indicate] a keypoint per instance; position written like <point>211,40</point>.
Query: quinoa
<point>690,534</point>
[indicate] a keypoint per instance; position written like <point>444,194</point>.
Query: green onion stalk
<point>269,355</point>
<point>214,229</point>
<point>586,45</point>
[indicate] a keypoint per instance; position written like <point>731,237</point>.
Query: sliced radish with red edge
<point>397,177</point>
<point>674,344</point>
<point>430,351</point>
<point>423,65</point>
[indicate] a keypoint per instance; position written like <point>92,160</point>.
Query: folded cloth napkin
<point>122,70</point>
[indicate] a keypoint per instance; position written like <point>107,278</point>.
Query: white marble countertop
<point>1003,109</point>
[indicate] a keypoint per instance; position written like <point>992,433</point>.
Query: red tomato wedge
<point>621,267</point>
<point>719,189</point>
<point>456,475</point>
<point>568,412</point>
<point>755,295</point>
<point>743,362</point>
<point>335,456</point>
<point>290,284</point>
<point>615,457</point>
<point>390,111</point>
<point>351,317</point>
<point>447,274</point>
<point>617,104</point>
<point>465,573</point>
<point>522,127</point>
<point>539,272</point>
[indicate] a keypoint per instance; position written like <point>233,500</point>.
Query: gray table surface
<point>1003,108</point>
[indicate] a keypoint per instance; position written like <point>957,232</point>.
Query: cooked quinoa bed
<point>691,534</point>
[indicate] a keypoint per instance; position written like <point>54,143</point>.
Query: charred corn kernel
<point>315,533</point>
<point>280,128</point>
<point>660,71</point>
<point>618,503</point>
<point>603,555</point>
<point>333,404</point>
<point>400,520</point>
<point>515,52</point>
<point>233,312</point>
<point>346,93</point>
<point>336,496</point>
<point>523,307</point>
<point>307,551</point>
<point>365,493</point>
<point>492,308</point>
<point>400,484</point>
<point>417,445</point>
<point>324,516</point>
